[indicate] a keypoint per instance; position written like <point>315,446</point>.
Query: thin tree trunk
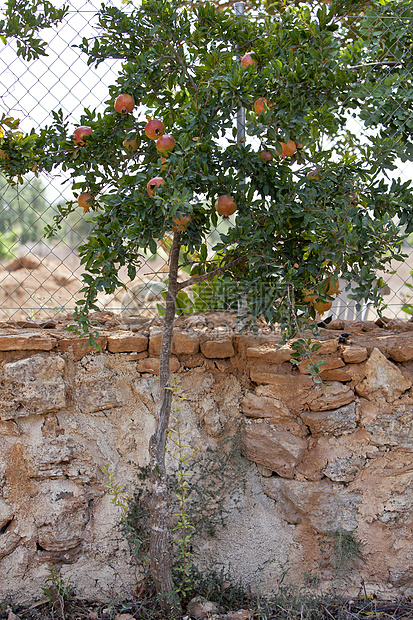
<point>160,538</point>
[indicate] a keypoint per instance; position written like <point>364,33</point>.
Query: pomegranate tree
<point>190,71</point>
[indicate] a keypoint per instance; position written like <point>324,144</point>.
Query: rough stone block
<point>192,361</point>
<point>332,363</point>
<point>269,354</point>
<point>383,379</point>
<point>341,421</point>
<point>328,347</point>
<point>274,411</point>
<point>339,459</point>
<point>219,348</point>
<point>336,375</point>
<point>151,365</point>
<point>96,395</point>
<point>124,342</point>
<point>390,428</point>
<point>62,526</point>
<point>354,354</point>
<point>200,608</point>
<point>274,448</point>
<point>344,469</point>
<point>79,347</point>
<point>254,406</point>
<point>292,389</point>
<point>52,458</point>
<point>327,506</point>
<point>184,343</point>
<point>246,340</point>
<point>26,342</point>
<point>33,386</point>
<point>387,489</point>
<point>155,341</point>
<point>331,396</point>
<point>402,352</point>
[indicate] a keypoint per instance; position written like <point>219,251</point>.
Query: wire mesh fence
<point>41,277</point>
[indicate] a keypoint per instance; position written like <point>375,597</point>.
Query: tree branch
<point>211,274</point>
<point>160,529</point>
<point>383,63</point>
<point>178,60</point>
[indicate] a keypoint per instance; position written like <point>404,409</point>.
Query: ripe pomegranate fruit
<point>225,206</point>
<point>322,306</point>
<point>262,105</point>
<point>288,149</point>
<point>266,156</point>
<point>247,61</point>
<point>331,286</point>
<point>124,104</point>
<point>310,296</point>
<point>181,222</point>
<point>313,175</point>
<point>80,134</point>
<point>154,129</point>
<point>85,201</point>
<point>130,145</point>
<point>153,184</point>
<point>165,144</point>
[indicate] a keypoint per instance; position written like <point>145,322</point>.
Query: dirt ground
<point>285,605</point>
<point>35,286</point>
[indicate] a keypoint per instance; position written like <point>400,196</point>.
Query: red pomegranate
<point>165,144</point>
<point>124,104</point>
<point>80,134</point>
<point>154,129</point>
<point>153,184</point>
<point>225,206</point>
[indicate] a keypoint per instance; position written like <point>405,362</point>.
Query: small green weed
<point>346,548</point>
<point>181,453</point>
<point>58,592</point>
<point>118,496</point>
<point>304,349</point>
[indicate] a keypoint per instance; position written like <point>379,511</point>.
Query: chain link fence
<point>41,278</point>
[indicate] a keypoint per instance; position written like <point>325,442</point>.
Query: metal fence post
<point>242,303</point>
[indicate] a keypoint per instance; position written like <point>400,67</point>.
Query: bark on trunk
<point>160,538</point>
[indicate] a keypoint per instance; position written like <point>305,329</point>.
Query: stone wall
<point>329,491</point>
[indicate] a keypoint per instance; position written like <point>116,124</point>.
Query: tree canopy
<point>329,209</point>
<point>22,20</point>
